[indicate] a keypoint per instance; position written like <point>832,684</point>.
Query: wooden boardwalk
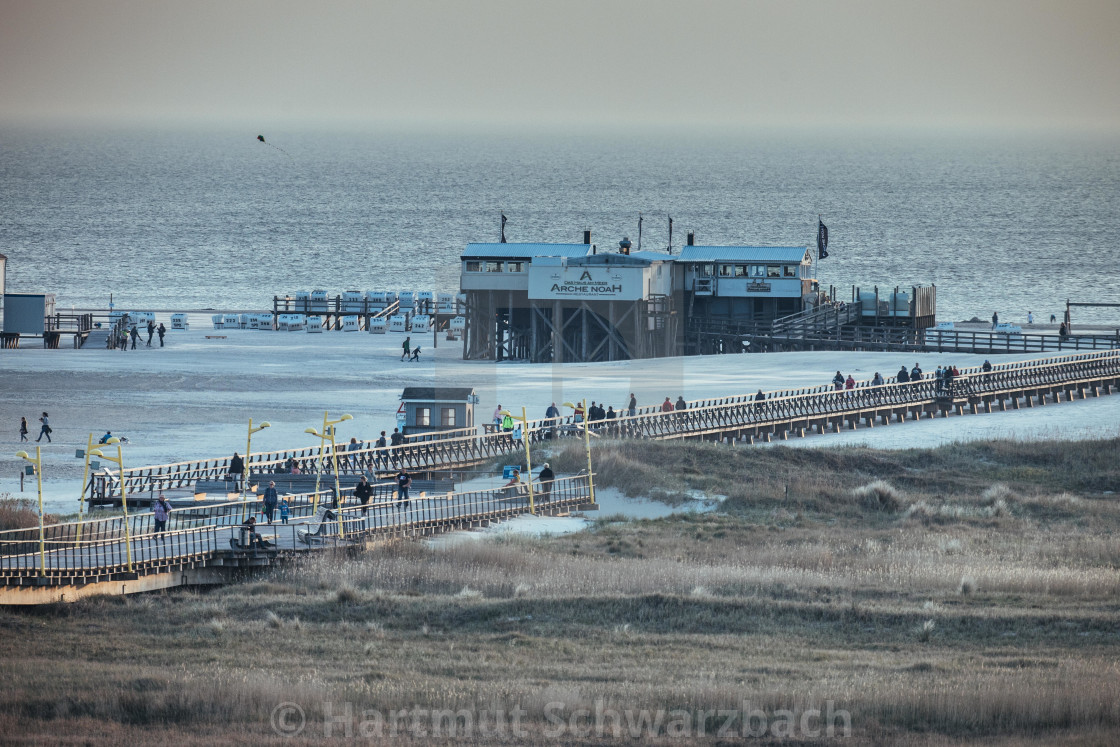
<point>205,545</point>
<point>715,335</point>
<point>794,412</point>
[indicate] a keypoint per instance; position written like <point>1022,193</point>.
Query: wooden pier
<point>206,546</point>
<point>742,418</point>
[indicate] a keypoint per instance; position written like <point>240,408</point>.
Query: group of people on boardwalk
<point>44,428</point>
<point>132,332</point>
<point>943,377</point>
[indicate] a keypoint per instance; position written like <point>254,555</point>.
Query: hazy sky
<point>935,63</point>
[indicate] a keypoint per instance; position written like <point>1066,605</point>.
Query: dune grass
<point>933,596</point>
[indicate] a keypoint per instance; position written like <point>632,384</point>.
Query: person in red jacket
<point>667,405</point>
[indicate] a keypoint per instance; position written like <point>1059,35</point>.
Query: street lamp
<point>328,433</point>
<point>119,460</point>
<point>38,462</point>
<point>587,445</point>
<point>528,461</point>
<point>248,459</point>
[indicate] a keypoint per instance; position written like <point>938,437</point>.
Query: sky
<point>811,64</point>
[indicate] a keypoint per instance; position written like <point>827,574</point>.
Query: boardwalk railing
<point>702,418</point>
<point>797,332</point>
<point>197,535</point>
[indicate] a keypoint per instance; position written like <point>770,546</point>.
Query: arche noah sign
<point>603,283</point>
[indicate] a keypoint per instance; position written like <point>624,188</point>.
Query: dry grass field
<point>962,594</point>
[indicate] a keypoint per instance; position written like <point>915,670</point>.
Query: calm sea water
<point>194,219</point>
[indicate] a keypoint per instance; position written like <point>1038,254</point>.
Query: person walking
<point>124,339</point>
<point>161,509</point>
<point>1030,317</point>
<point>878,380</point>
<point>681,404</point>
<point>850,383</point>
<point>151,331</point>
<point>406,347</point>
<point>285,511</point>
<point>546,476</point>
<point>23,429</point>
<point>995,319</point>
<point>838,381</point>
<point>45,429</point>
<point>903,376</point>
<point>236,468</point>
<point>363,491</point>
<point>271,500</point>
<point>632,408</point>
<point>667,405</point>
<point>352,462</point>
<point>135,334</point>
<point>416,354</point>
<point>161,331</point>
<point>404,482</point>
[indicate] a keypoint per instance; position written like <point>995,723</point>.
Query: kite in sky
<point>261,138</point>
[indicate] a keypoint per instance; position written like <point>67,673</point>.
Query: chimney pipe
<point>587,236</point>
<point>691,238</point>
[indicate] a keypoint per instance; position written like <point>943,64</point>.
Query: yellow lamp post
<point>248,459</point>
<point>528,461</point>
<point>38,462</point>
<point>328,434</point>
<point>587,445</point>
<point>119,460</point>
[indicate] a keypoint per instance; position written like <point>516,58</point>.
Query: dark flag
<point>503,240</point>
<point>822,239</point>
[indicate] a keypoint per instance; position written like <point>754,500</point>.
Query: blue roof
<point>654,256</point>
<point>788,254</point>
<point>525,251</point>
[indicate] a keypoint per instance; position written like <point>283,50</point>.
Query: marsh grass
<point>935,597</point>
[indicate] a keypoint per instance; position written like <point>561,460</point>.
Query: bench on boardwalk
<point>316,530</point>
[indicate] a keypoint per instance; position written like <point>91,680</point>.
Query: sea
<point>178,218</point>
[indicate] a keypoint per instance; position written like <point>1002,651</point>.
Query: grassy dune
<point>960,594</point>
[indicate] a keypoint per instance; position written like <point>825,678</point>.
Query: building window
<point>758,271</point>
<point>493,266</point>
<point>423,416</point>
<point>741,271</point>
<point>447,417</point>
<point>474,267</point>
<point>705,271</point>
<point>727,271</point>
<point>773,271</point>
<point>791,271</point>
<point>515,266</point>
